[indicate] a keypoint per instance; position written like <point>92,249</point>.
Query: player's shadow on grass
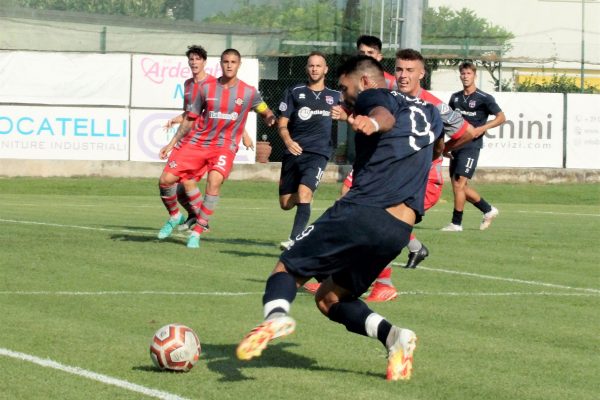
<point>271,255</point>
<point>243,242</point>
<point>221,359</point>
<point>147,229</point>
<point>120,237</point>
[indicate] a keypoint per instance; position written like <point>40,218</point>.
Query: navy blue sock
<point>383,330</point>
<point>457,217</point>
<point>483,206</point>
<point>280,286</point>
<point>301,219</point>
<point>352,314</point>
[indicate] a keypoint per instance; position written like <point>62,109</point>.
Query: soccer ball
<point>175,347</point>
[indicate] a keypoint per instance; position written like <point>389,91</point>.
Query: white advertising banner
<point>64,133</point>
<point>157,81</point>
<point>583,131</point>
<point>148,135</point>
<point>532,135</point>
<point>64,78</point>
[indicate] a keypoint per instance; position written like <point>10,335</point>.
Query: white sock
<point>372,323</point>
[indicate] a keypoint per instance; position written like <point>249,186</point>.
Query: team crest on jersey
<point>239,101</point>
<point>329,99</point>
<point>173,164</point>
<point>282,106</point>
<point>472,103</point>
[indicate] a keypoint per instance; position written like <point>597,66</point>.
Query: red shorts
<point>191,162</point>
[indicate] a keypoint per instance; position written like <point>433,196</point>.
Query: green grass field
<point>507,313</point>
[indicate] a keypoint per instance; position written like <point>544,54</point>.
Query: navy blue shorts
<point>352,243</point>
<point>306,169</point>
<point>464,162</point>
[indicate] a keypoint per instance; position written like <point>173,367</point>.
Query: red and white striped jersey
<point>221,113</point>
<point>190,90</point>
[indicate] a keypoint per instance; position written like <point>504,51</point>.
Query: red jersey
<point>190,90</point>
<point>390,81</point>
<point>221,113</point>
<point>454,124</point>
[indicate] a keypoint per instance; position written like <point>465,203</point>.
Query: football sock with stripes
<point>194,201</point>
<point>385,276</point>
<point>183,197</point>
<point>207,208</point>
<point>168,195</point>
<point>414,244</point>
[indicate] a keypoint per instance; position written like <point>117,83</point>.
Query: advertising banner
<point>64,133</point>
<point>157,81</point>
<point>583,131</point>
<point>65,78</point>
<point>532,135</point>
<point>149,135</point>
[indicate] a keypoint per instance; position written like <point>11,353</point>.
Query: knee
<point>164,181</point>
<point>323,304</point>
<point>286,203</point>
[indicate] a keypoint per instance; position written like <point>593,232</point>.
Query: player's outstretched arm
<point>378,120</point>
<point>469,134</point>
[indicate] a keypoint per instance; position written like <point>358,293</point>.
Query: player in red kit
<point>209,137</point>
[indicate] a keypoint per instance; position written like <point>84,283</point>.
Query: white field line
<point>474,275</point>
<point>159,207</point>
<point>513,280</point>
<point>558,213</point>
<point>89,228</point>
<point>124,293</point>
<point>158,394</point>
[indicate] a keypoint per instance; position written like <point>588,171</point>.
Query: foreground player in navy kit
<point>305,127</point>
<point>367,228</point>
<point>475,106</point>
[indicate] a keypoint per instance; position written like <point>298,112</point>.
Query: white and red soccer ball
<point>175,347</point>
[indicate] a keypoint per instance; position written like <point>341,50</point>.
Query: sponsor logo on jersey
<point>282,106</point>
<point>219,115</point>
<point>302,96</point>
<point>306,113</point>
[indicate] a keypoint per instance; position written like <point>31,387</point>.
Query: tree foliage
<point>444,26</point>
<point>137,8</point>
<point>555,84</point>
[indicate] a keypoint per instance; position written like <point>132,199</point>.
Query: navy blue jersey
<point>475,108</point>
<point>392,167</point>
<point>309,113</point>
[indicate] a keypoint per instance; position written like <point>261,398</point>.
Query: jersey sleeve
<point>492,106</point>
<point>286,106</point>
<point>258,104</point>
<point>454,124</point>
